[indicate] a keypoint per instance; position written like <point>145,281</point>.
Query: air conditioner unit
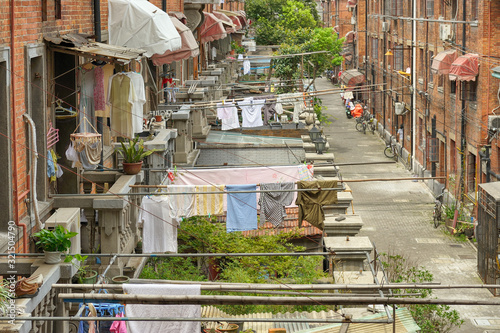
<point>386,26</point>
<point>399,108</point>
<point>445,32</point>
<point>493,123</point>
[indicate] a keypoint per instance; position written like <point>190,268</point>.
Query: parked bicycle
<point>391,150</point>
<point>438,209</point>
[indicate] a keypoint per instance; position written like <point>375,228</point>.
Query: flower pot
<point>232,328</point>
<point>91,278</point>
<point>132,168</point>
<point>158,118</point>
<point>120,279</point>
<point>52,257</point>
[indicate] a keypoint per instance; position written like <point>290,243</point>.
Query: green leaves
<point>133,151</point>
<point>57,240</point>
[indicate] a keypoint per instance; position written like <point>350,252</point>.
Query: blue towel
<point>241,208</point>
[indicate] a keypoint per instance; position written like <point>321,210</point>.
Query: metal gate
<point>487,235</point>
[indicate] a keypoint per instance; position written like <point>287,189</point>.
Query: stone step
<point>313,157</point>
<point>350,226</point>
<point>326,171</point>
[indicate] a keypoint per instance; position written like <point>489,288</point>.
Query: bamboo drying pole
<point>245,300</point>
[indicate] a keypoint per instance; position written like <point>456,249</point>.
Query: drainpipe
<point>97,20</point>
<point>164,5</point>
<point>486,157</point>
<point>463,139</point>
<point>414,82</point>
<point>14,129</point>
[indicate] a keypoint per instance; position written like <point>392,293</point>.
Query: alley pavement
<point>397,216</point>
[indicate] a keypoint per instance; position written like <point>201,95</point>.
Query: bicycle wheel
<point>372,128</point>
<point>436,218</point>
<point>388,152</point>
<point>359,127</point>
<point>364,127</point>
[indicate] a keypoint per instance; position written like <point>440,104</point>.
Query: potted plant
<point>237,48</point>
<point>120,279</point>
<point>138,247</point>
<point>54,242</point>
<point>228,328</point>
<point>133,154</point>
<point>85,274</point>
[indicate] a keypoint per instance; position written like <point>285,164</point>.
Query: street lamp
<point>320,145</point>
<point>314,133</point>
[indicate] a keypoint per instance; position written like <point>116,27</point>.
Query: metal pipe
<point>97,20</point>
<point>227,286</point>
<point>203,319</point>
<point>375,279</point>
<point>421,19</point>
<point>193,255</point>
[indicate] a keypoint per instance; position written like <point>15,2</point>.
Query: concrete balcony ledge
<point>160,141</point>
<point>326,171</point>
<point>204,81</point>
<point>350,252</point>
<point>350,226</point>
<point>203,2</point>
<point>213,72</point>
<point>325,157</point>
<point>182,114</point>
<point>122,185</point>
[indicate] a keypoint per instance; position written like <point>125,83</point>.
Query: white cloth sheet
<point>181,205</point>
<point>148,311</point>
<point>140,24</point>
<point>246,66</point>
<point>251,112</point>
<point>159,229</point>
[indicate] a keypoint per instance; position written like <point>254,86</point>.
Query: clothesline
<point>197,193</point>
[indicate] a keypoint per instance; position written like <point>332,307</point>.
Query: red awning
<point>242,16</point>
<point>188,49</point>
<point>228,23</point>
<point>352,3</point>
<point>465,68</point>
<point>441,63</point>
<point>352,77</point>
<point>211,29</point>
<point>179,15</point>
<point>350,37</point>
<point>234,16</point>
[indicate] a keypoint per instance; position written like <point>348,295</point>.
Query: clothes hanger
<point>63,113</point>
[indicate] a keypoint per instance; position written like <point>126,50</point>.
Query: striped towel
<point>209,204</point>
<point>181,205</point>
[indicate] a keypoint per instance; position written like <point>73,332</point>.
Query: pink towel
<point>119,326</point>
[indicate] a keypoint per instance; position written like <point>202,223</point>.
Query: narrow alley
<point>397,215</point>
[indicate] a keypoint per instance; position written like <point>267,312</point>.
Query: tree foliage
<point>432,318</point>
<point>203,235</point>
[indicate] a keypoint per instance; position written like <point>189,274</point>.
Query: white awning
<point>140,24</point>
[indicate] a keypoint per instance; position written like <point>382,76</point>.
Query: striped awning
<point>212,28</point>
<point>465,68</point>
<point>352,78</point>
<point>441,63</point>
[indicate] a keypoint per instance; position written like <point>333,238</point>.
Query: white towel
<point>146,311</point>
<point>181,205</point>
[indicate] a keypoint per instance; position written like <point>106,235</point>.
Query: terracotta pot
<point>132,168</point>
<point>158,118</point>
<point>120,279</point>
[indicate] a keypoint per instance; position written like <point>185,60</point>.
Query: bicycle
<point>361,126</point>
<point>390,150</point>
<point>372,124</point>
<point>437,214</point>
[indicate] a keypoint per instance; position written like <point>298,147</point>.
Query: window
<point>5,150</point>
<point>397,7</point>
<point>421,64</point>
<point>420,132</point>
<point>430,8</point>
<point>471,173</point>
<point>431,76</point>
<point>58,9</point>
<point>442,6</point>
<point>474,9</point>
<point>44,10</point>
<point>398,58</point>
<point>453,87</point>
<point>388,7</point>
<point>423,6</point>
<point>374,49</point>
<point>468,91</point>
<point>453,156</point>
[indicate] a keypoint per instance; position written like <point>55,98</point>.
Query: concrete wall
<point>249,156</point>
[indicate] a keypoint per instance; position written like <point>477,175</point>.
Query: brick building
<point>37,68</point>
<point>411,47</point>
